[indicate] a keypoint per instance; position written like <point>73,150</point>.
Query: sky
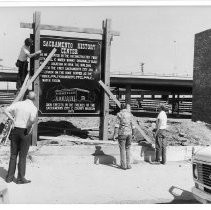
<point>162,37</point>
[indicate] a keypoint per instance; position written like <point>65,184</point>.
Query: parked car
<point>201,164</point>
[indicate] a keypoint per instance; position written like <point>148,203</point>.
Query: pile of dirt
<point>181,132</point>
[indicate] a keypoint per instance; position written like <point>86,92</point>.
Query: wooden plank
<point>39,70</point>
<point>109,93</point>
<point>21,94</point>
<point>142,131</point>
<point>68,29</point>
<point>134,119</point>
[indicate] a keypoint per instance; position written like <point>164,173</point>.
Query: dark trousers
<point>160,146</point>
<point>124,146</point>
<point>22,72</point>
<point>19,147</point>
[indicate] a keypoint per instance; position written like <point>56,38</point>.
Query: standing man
<point>22,62</point>
<point>125,131</point>
<point>160,140</point>
<point>23,114</point>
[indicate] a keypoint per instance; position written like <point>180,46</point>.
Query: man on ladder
<point>22,62</point>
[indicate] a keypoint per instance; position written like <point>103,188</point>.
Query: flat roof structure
<point>156,82</point>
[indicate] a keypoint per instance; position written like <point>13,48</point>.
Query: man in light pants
<point>160,142</point>
<point>125,131</point>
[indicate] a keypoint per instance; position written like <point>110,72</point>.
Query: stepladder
<point>8,124</point>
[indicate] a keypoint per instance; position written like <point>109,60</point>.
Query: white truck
<point>201,164</point>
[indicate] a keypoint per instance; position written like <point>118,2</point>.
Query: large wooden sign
<point>69,82</point>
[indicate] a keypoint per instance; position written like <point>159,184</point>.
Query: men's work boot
<point>9,180</point>
<point>23,181</point>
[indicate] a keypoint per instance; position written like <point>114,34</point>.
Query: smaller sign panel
<point>69,82</point>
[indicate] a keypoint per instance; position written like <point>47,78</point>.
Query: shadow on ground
<point>181,196</point>
<point>53,128</point>
<point>3,172</point>
<point>101,158</point>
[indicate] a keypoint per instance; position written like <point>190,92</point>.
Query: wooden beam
<point>106,78</point>
<point>109,93</point>
<point>36,74</point>
<point>68,29</point>
<point>142,131</point>
<point>134,119</point>
<point>21,93</point>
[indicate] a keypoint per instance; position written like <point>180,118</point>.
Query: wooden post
<point>178,100</point>
<point>173,103</point>
<point>128,94</point>
<point>36,32</point>
<point>106,79</point>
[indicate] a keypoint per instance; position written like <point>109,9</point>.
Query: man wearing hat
<point>160,140</point>
<point>22,62</point>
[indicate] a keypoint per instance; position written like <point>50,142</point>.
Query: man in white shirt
<point>22,62</point>
<point>160,142</point>
<point>23,114</point>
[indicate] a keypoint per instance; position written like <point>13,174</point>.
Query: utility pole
<point>175,56</point>
<point>142,67</point>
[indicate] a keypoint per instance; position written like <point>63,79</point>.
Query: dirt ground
<point>181,132</point>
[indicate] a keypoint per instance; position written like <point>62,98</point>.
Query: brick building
<point>201,107</point>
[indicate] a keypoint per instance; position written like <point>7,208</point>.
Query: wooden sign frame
<point>107,35</point>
